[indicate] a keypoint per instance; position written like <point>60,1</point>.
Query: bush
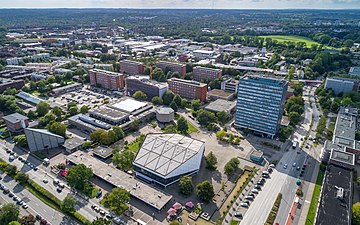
<point>272,215</point>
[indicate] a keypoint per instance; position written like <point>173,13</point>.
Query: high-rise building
<point>149,87</point>
<point>260,104</point>
<point>204,73</point>
<point>131,67</point>
<point>174,67</point>
<point>188,89</point>
<point>106,79</point>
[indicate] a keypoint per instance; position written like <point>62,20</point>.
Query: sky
<point>218,4</point>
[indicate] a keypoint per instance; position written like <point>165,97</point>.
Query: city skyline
<point>216,4</point>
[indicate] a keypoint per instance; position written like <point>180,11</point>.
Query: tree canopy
<point>117,200</point>
<point>186,185</point>
<point>205,191</point>
<point>8,212</point>
<point>79,176</point>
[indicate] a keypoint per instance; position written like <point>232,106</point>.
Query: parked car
<point>255,191</point>
<point>11,194</point>
<point>272,166</point>
<point>238,214</point>
<point>243,204</point>
<point>248,197</point>
<point>285,166</point>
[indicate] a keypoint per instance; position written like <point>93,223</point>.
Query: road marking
<point>307,201</point>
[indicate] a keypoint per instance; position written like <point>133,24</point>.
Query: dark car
<point>238,214</point>
<point>38,217</point>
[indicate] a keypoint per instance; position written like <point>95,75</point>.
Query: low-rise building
<point>41,139</point>
<point>341,85</point>
<point>220,105</point>
<point>220,94</point>
<point>205,73</point>
<point>65,89</point>
<point>203,54</point>
<point>16,122</point>
<point>9,83</point>
<point>174,67</point>
<point>109,115</point>
<point>131,67</point>
<point>354,71</point>
<point>164,114</point>
<point>107,80</point>
<point>188,89</point>
<point>230,85</point>
<point>150,87</point>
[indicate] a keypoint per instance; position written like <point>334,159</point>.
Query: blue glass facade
<point>260,104</point>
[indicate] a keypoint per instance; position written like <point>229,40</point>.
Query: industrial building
<point>164,158</point>
<point>109,115</point>
<point>205,73</point>
<point>342,85</point>
<point>16,122</point>
<point>65,89</point>
<point>164,114</point>
<point>87,124</point>
<point>150,87</point>
<point>260,104</point>
<point>107,80</point>
<point>131,67</point>
<point>174,67</point>
<point>188,89</point>
<point>41,139</point>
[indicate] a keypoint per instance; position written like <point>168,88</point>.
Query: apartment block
<point>174,67</point>
<point>341,85</point>
<point>131,67</point>
<point>188,89</point>
<point>260,104</point>
<point>204,73</point>
<point>107,80</point>
<point>149,87</point>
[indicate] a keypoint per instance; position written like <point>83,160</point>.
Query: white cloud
<point>180,4</point>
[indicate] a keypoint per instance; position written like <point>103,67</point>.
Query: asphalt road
<point>36,206</point>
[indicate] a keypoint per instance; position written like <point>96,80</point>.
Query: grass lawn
<point>136,144</point>
<point>192,128</point>
<point>315,199</point>
<point>171,128</point>
<point>284,38</point>
<point>234,222</point>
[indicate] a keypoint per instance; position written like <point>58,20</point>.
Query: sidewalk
<point>308,197</point>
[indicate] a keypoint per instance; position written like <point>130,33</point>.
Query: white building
<point>164,158</point>
<point>354,71</point>
<point>203,54</point>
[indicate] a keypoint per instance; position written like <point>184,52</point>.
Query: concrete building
<point>222,105</point>
<point>8,83</point>
<point>204,73</point>
<point>341,85</point>
<point>41,139</point>
<point>131,67</point>
<point>174,67</point>
<point>220,94</point>
<point>354,71</point>
<point>87,124</point>
<point>150,87</point>
<point>109,115</point>
<point>106,79</point>
<point>16,122</point>
<point>203,54</point>
<point>65,89</point>
<point>164,114</point>
<point>164,158</point>
<point>188,89</point>
<point>260,104</point>
<point>230,85</point>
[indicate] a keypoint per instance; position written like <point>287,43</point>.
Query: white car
<point>11,158</point>
<point>243,204</point>
<point>255,191</point>
<point>294,164</point>
<point>285,166</point>
<point>272,166</point>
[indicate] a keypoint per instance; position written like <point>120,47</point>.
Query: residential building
<point>16,122</point>
<point>131,67</point>
<point>230,85</point>
<point>260,104</point>
<point>164,158</point>
<point>174,67</point>
<point>188,89</point>
<point>8,83</point>
<point>354,71</point>
<point>150,87</point>
<point>341,85</point>
<point>41,139</point>
<point>205,73</point>
<point>106,79</point>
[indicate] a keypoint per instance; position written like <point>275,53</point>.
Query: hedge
<point>272,215</point>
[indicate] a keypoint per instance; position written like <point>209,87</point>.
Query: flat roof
<point>73,142</point>
<point>146,80</point>
<point>66,87</point>
<point>331,209</point>
<point>28,97</point>
<point>163,153</point>
<point>103,152</point>
<point>189,82</point>
<point>151,196</point>
<point>129,105</point>
<point>164,110</point>
<point>221,93</point>
<point>104,111</point>
<point>221,105</point>
<point>343,157</point>
<point>15,117</point>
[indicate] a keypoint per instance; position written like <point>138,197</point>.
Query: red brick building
<point>16,122</point>
<point>107,80</point>
<point>188,89</point>
<point>131,67</point>
<point>204,73</point>
<point>174,67</point>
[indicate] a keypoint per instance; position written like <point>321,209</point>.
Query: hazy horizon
<point>183,4</point>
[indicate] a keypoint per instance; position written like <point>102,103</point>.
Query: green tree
<point>57,111</point>
<point>27,220</point>
<point>119,132</point>
<point>140,96</point>
<point>357,136</point>
<point>231,166</point>
<point>8,212</point>
<point>168,97</point>
<point>134,125</point>
<point>205,117</point>
<point>84,109</point>
<point>124,159</point>
<point>71,104</point>
<point>205,191</point>
<point>68,205</point>
<point>101,221</point>
<point>291,73</point>
<point>42,108</point>
<point>73,110</point>
<point>174,106</point>
<point>117,200</point>
<point>195,104</point>
<point>95,136</point>
<point>22,178</point>
<point>158,75</point>
<point>57,128</point>
<point>21,140</point>
<point>221,134</point>
<point>347,102</point>
<point>157,100</point>
<point>32,115</point>
<point>14,223</point>
<point>79,176</point>
<point>222,116</point>
<point>356,213</point>
<point>211,161</point>
<point>186,185</point>
<point>177,99</point>
<point>182,125</point>
<point>294,118</point>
